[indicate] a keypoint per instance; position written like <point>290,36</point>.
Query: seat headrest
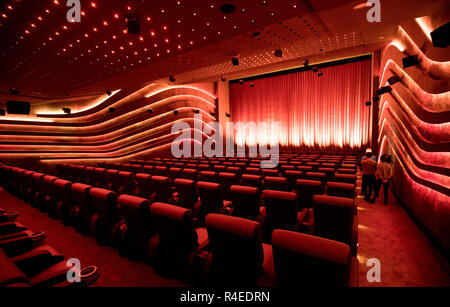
<point>305,182</point>
<point>208,185</point>
<point>208,173</point>
<point>143,176</point>
<point>275,179</point>
<point>333,201</point>
<point>290,196</point>
<point>160,179</point>
<point>189,170</point>
<point>49,179</point>
<point>227,175</point>
<point>126,174</point>
<point>240,189</point>
<point>169,211</point>
<point>184,182</point>
<point>315,174</point>
<point>251,177</point>
<point>340,185</point>
<point>132,201</point>
<point>101,193</point>
<point>62,183</point>
<point>234,225</point>
<point>294,173</point>
<point>80,187</point>
<point>312,246</point>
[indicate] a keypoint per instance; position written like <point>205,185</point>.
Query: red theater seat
<point>292,177</point>
<point>269,172</point>
<point>341,189</point>
<point>161,171</point>
<point>236,251</point>
<point>178,240</point>
<point>138,229</point>
<point>144,185</point>
<point>83,210</point>
<point>303,260</point>
<point>208,176</point>
<point>251,181</point>
<point>227,180</point>
<point>48,195</point>
<point>345,178</point>
<point>191,174</point>
<point>211,199</point>
<point>174,173</point>
<point>252,170</point>
<point>276,183</point>
<point>186,193</point>
<point>245,202</point>
<point>126,183</point>
<point>105,223</point>
<point>334,219</point>
<point>162,188</point>
<point>282,212</point>
<point>306,189</point>
<point>113,180</point>
<point>63,201</point>
<point>316,176</point>
<point>36,189</point>
<point>100,179</point>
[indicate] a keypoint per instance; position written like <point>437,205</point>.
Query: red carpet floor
<point>385,232</point>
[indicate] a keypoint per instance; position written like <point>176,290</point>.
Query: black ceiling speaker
<point>278,53</point>
<point>14,91</point>
<point>108,92</point>
<point>306,63</point>
<point>376,98</point>
<point>213,114</point>
<point>18,107</point>
<point>235,61</point>
<point>2,112</point>
<point>132,24</point>
<point>227,8</point>
<point>315,69</point>
<point>409,61</point>
<point>150,111</point>
<point>111,109</point>
<point>197,111</point>
<point>67,110</point>
<point>320,74</point>
<point>227,114</point>
<point>252,84</point>
<point>441,36</point>
<point>394,79</point>
<point>384,90</point>
<point>175,112</point>
<point>368,103</point>
<point>172,79</point>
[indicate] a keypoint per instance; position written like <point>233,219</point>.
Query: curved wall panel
<point>130,130</point>
<point>414,127</point>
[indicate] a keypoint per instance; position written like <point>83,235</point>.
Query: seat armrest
<point>11,227</point>
<point>354,238</point>
<point>353,278</point>
<point>37,260</point>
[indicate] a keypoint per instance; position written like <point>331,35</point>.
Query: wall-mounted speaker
<point>132,24</point>
<point>384,90</point>
<point>235,61</point>
<point>18,107</point>
<point>441,36</point>
<point>175,112</point>
<point>394,79</point>
<point>278,53</point>
<point>409,61</point>
<point>67,110</point>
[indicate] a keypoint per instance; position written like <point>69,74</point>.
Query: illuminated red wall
<point>320,112</point>
<point>414,128</point>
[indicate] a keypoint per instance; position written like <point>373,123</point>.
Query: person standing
<point>368,166</point>
<point>383,174</point>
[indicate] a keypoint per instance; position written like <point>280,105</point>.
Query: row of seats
<point>145,230</point>
<point>25,261</point>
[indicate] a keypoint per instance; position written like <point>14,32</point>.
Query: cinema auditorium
<point>249,144</point>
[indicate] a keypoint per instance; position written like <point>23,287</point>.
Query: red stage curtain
<point>326,112</point>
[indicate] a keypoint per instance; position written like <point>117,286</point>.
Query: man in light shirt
<point>368,166</point>
<point>383,174</point>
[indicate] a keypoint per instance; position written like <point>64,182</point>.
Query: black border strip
<point>300,69</point>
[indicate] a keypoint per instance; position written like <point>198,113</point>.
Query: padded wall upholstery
<point>414,127</point>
